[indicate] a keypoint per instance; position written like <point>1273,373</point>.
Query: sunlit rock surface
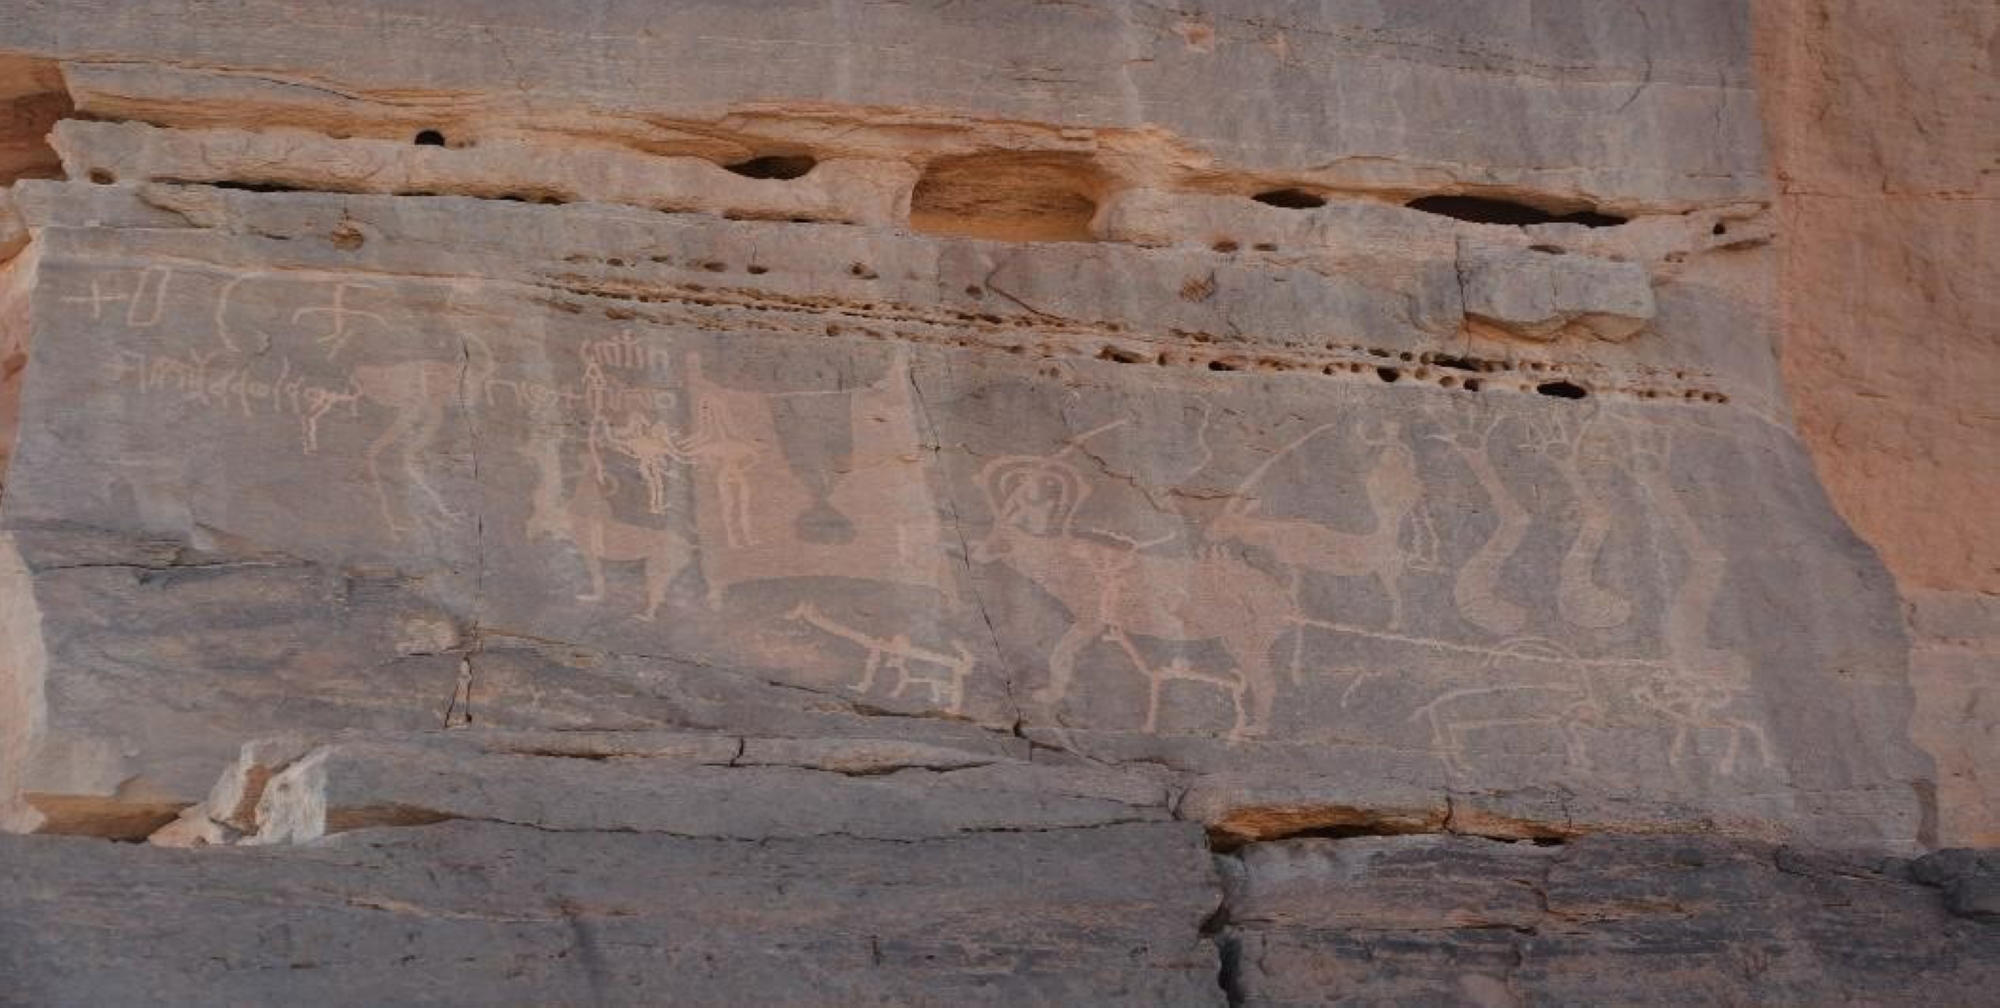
<point>998,503</point>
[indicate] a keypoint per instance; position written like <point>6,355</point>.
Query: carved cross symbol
<point>98,299</point>
<point>335,339</point>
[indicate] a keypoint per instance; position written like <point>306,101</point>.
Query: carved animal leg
<point>1155,686</point>
<point>1262,694</point>
<point>413,453</point>
<point>1573,748</point>
<point>1730,752</point>
<point>1156,683</point>
<point>397,429</point>
<point>901,666</point>
<point>592,549</point>
<point>1678,749</point>
<point>1252,653</point>
<point>1454,750</point>
<point>1391,577</point>
<point>1241,727</point>
<point>1756,733</point>
<point>1062,661</point>
<point>660,570</point>
<point>868,670</point>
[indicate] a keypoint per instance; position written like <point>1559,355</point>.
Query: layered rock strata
<point>775,508</point>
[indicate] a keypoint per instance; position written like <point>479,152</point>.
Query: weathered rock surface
<point>482,914</point>
<point>1888,169</point>
<point>1672,920</point>
<point>803,503</point>
<point>619,431</point>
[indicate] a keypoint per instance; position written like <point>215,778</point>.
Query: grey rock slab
<point>1631,920</point>
<point>352,785</point>
<point>481,914</point>
<point>1538,294</point>
<point>1570,99</point>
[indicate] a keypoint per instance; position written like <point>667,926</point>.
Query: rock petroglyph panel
<point>1506,586</point>
<point>974,503</point>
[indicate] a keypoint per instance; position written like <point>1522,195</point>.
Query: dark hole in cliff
<point>775,166</point>
<point>1388,374</point>
<point>1481,210</point>
<point>430,138</point>
<point>1719,229</point>
<point>1291,199</point>
<point>1009,196</point>
<point>99,176</point>
<point>1455,363</point>
<point>1562,390</point>
<point>256,187</point>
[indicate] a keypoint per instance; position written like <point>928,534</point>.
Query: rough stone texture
<point>1678,920</point>
<point>795,502</point>
<point>482,914</point>
<point>599,426</point>
<point>1887,165</point>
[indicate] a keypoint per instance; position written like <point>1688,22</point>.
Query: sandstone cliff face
<point>1888,172</point>
<point>1015,499</point>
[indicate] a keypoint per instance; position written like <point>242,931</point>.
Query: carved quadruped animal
<point>417,393</point>
<point>1704,681</point>
<point>1564,700</point>
<point>1395,492</point>
<point>1693,705</point>
<point>582,515</point>
<point>903,658</point>
<point>1121,591</point>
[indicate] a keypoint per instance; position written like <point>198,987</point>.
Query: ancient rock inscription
<point>1458,576</point>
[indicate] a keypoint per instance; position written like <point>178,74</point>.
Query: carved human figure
<point>729,460</point>
<point>652,446</point>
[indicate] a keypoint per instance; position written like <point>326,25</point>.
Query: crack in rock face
<point>1054,510</point>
